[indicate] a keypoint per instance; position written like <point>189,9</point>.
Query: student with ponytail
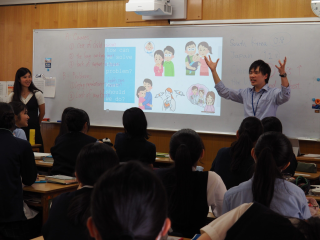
<point>128,202</point>
<point>190,193</point>
<point>235,164</point>
<point>272,155</point>
<point>70,211</point>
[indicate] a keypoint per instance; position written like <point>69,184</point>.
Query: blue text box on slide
<point>119,74</point>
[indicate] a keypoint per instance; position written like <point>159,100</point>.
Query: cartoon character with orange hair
<point>169,102</point>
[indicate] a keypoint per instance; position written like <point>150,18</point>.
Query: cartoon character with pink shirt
<point>158,59</point>
<point>204,49</point>
<point>141,94</point>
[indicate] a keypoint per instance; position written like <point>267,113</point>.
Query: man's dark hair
<point>147,80</point>
<point>264,68</point>
<point>170,49</point>
<point>189,44</point>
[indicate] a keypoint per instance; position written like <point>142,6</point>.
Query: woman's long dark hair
<point>273,152</point>
<point>186,148</point>
<point>129,202</point>
<point>63,125</point>
<point>135,123</point>
<point>249,132</point>
<point>17,84</point>
<point>93,161</point>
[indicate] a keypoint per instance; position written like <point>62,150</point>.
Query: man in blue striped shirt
<point>260,101</point>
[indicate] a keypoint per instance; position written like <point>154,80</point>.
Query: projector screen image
<point>162,75</point>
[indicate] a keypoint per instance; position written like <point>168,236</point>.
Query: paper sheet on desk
<point>312,155</point>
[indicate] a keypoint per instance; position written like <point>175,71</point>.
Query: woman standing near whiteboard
<point>25,91</point>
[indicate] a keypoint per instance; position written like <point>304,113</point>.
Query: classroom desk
<point>315,197</point>
<point>310,176</point>
<point>310,160</point>
<point>164,160</point>
<point>47,191</point>
<point>40,163</point>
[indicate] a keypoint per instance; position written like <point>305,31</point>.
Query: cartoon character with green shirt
<point>168,64</point>
<point>190,49</point>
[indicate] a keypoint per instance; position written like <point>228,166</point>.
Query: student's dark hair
<point>249,132</point>
<point>18,107</point>
<point>63,124</point>
<point>170,49</point>
<point>147,80</point>
<point>141,88</point>
<point>273,151</point>
<point>76,119</point>
<point>206,45</point>
<point>6,116</point>
<point>310,228</point>
<point>135,123</point>
<point>194,87</point>
<point>264,68</point>
<point>159,52</point>
<point>129,202</point>
<point>17,84</point>
<point>271,124</point>
<point>186,148</point>
<point>189,44</point>
<point>92,162</point>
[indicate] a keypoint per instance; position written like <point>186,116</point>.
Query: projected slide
<point>162,75</point>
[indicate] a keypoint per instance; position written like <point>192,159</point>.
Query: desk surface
<point>302,159</point>
<point>36,145</point>
<point>311,176</point>
<point>164,160</point>
<point>40,163</point>
<point>49,187</point>
<point>315,197</point>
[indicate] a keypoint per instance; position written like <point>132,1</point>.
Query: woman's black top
<point>198,209</point>
<point>66,150</point>
<point>58,225</point>
<point>222,166</point>
<point>134,148</point>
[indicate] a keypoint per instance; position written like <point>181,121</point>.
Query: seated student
<point>235,164</point>
<point>272,155</point>
<point>190,193</point>
<point>68,146</point>
<point>128,202</point>
<point>21,119</point>
<point>274,124</point>
<point>133,144</point>
<point>63,125</point>
<point>70,211</point>
<point>16,165</point>
<point>253,221</point>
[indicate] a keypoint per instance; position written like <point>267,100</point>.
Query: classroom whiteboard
<point>77,62</point>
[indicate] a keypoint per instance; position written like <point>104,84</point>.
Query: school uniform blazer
<point>16,164</point>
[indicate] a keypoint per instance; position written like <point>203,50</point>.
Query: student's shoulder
<point>241,188</point>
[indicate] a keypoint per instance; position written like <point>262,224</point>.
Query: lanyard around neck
<point>255,111</point>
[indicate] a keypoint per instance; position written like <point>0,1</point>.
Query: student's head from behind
<point>272,154</point>
<point>247,135</point>
<point>186,148</point>
<point>92,162</point>
<point>259,73</point>
<point>6,116</point>
<point>135,123</point>
<point>158,57</point>
<point>168,53</point>
<point>204,49</point>
<point>20,114</point>
<point>195,90</point>
<point>210,98</point>
<point>271,124</point>
<point>77,120</point>
<point>147,83</point>
<point>128,202</point>
<point>190,48</point>
<point>141,92</point>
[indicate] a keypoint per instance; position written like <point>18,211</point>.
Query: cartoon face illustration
<point>191,49</point>
<point>201,93</point>
<point>142,93</point>
<point>210,98</point>
<point>158,59</point>
<point>149,47</point>
<point>148,86</point>
<point>196,58</point>
<point>203,51</point>
<point>168,55</point>
<point>195,91</point>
